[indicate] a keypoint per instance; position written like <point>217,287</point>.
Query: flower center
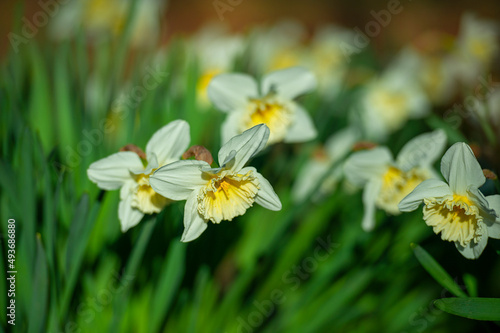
<point>481,49</point>
<point>227,195</point>
<point>391,106</point>
<point>277,115</point>
<point>102,14</point>
<point>145,198</point>
<point>396,185</point>
<point>288,57</point>
<point>457,219</point>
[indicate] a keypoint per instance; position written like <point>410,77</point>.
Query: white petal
<point>422,150</point>
<point>364,165</point>
<point>169,142</point>
<point>230,127</point>
<point>429,188</point>
<point>194,224</point>
<point>289,82</point>
<point>177,180</point>
<point>111,172</point>
<point>309,176</point>
<point>473,250</point>
<point>229,92</point>
<point>129,217</point>
<point>302,129</point>
<point>341,143</point>
<point>370,195</point>
<point>482,202</point>
<point>266,197</point>
<point>494,227</point>
<point>242,147</point>
<point>461,169</point>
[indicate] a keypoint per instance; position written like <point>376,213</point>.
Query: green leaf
<point>75,239</point>
<point>121,302</point>
<point>436,271</point>
<point>78,239</point>
<point>168,286</point>
<point>473,307</point>
<point>38,306</point>
<point>471,284</point>
<point>40,104</point>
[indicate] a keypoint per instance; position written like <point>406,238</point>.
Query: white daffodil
<point>102,19</point>
<point>327,59</point>
<point>476,47</point>
<point>276,47</point>
<point>215,49</point>
<point>335,149</point>
<point>390,100</point>
<point>489,109</point>
<point>272,104</point>
<point>435,70</point>
<point>386,181</point>
<point>126,170</point>
<point>217,194</point>
<point>458,210</point>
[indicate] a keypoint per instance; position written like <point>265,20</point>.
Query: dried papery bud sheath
<point>364,145</point>
<point>476,149</point>
<point>490,174</point>
<point>320,154</point>
<point>200,153</point>
<point>133,148</point>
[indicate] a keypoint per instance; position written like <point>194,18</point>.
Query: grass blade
<point>436,271</point>
<point>38,310</point>
<point>170,279</point>
<point>473,307</point>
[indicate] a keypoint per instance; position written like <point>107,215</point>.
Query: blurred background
<point>189,15</point>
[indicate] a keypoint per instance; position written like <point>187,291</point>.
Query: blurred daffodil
<point>217,194</point>
<point>320,167</point>
<point>327,59</point>
<point>389,101</point>
<point>215,49</point>
<point>476,47</point>
<point>272,104</point>
<point>125,170</point>
<point>105,19</point>
<point>386,182</point>
<point>457,209</point>
<point>276,47</point>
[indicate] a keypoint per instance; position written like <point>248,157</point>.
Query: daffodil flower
<point>273,105</point>
<point>125,170</point>
<point>390,100</point>
<point>457,209</point>
<point>217,194</point>
<point>386,182</point>
<point>476,47</point>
